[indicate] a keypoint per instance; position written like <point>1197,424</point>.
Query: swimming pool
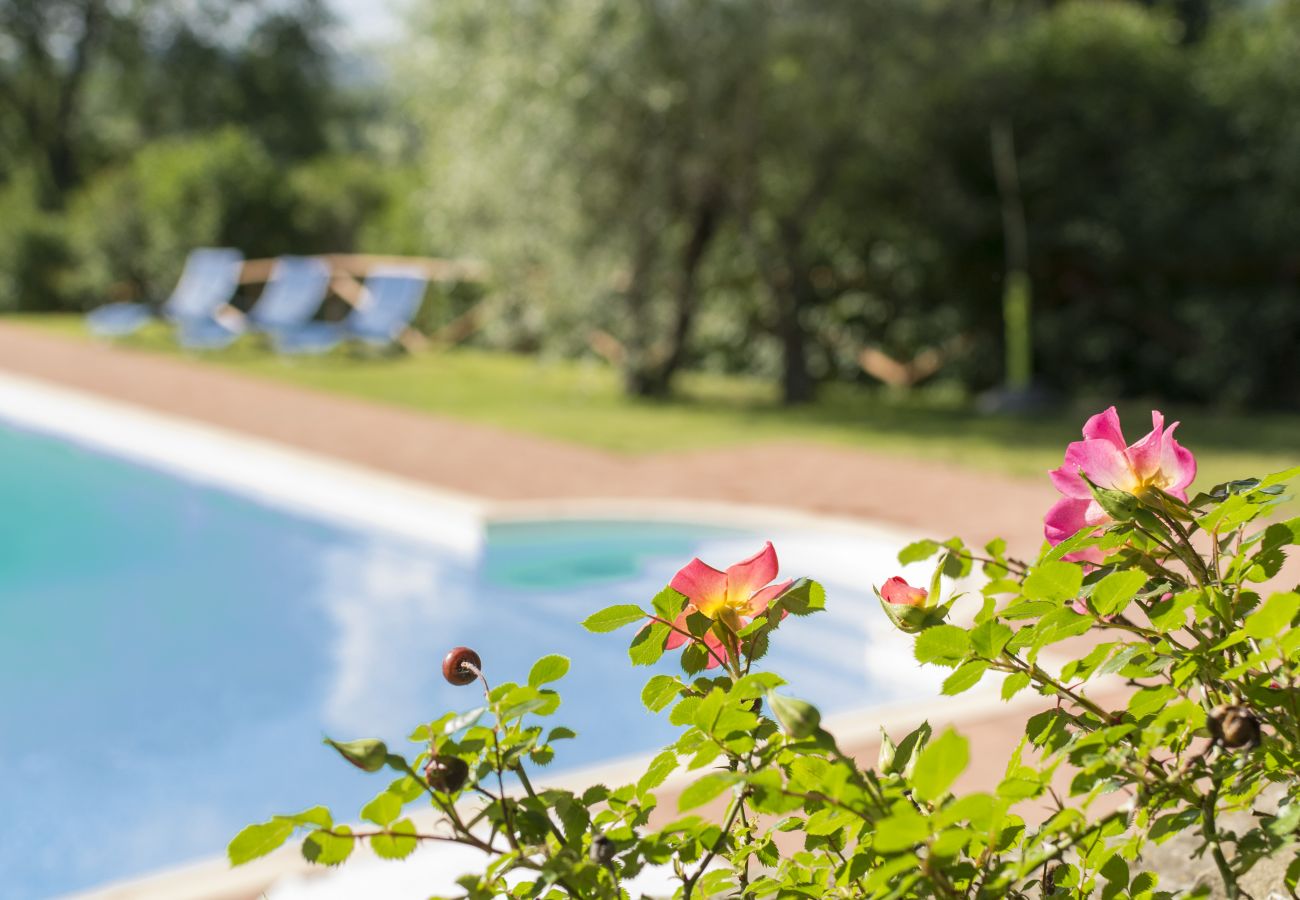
<point>171,651</point>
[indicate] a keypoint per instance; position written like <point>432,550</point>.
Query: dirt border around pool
<point>501,465</point>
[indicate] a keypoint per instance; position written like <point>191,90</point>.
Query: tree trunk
<point>650,371</point>
<point>794,295</point>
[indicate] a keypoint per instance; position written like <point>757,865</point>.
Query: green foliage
<point>135,226</point>
<point>1209,726</point>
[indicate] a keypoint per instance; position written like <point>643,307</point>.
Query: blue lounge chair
<point>294,292</point>
<point>389,302</point>
<point>207,283</point>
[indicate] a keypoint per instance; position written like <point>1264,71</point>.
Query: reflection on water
<point>170,655</point>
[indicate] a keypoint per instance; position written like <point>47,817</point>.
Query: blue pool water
<point>171,654</point>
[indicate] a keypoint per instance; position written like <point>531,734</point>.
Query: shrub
<point>1169,584</point>
<point>135,225</point>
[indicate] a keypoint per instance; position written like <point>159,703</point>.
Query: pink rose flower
<point>900,593</point>
<point>1155,461</point>
<point>731,599</point>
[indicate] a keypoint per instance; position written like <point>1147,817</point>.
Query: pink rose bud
<point>900,593</point>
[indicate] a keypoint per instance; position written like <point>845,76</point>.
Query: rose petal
<point>746,577</point>
<point>676,638</point>
<point>758,603</point>
<point>1065,519</point>
<point>704,585</point>
<point>1101,461</point>
<point>1177,465</point>
<point>1145,455</point>
<point>1067,480</point>
<point>1105,427</point>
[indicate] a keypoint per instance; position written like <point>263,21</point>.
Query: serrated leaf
<point>612,618</point>
<point>1116,590</point>
<point>1274,617</point>
<point>704,789</point>
<point>917,551</point>
<point>397,845</point>
<point>647,646</point>
<point>326,849</point>
<point>657,772</point>
<point>1060,581</point>
<point>944,645</point>
<point>384,808</point>
<point>668,603</point>
<point>659,691</point>
<point>258,840</point>
<point>802,598</point>
<point>548,669</point>
<point>1014,684</point>
<point>989,637</point>
<point>968,675</point>
<point>939,764</point>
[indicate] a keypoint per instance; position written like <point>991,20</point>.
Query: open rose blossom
<point>900,593</point>
<point>1155,461</point>
<point>731,599</point>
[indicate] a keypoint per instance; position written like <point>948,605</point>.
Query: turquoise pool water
<point>171,654</point>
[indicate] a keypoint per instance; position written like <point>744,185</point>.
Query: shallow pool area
<point>172,651</point>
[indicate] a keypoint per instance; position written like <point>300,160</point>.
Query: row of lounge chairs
<point>200,308</point>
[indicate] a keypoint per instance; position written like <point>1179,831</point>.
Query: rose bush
<point>1170,684</point>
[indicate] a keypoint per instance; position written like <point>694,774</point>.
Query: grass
<point>581,402</point>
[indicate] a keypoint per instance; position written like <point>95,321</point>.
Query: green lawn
<point>581,402</point>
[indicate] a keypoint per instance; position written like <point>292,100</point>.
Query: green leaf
<point>799,719</point>
<point>659,769</point>
<point>384,808</point>
<point>326,849</point>
<point>548,669</point>
<point>317,816</point>
<point>668,603</point>
<point>704,789</point>
<point>901,831</point>
<point>367,754</point>
<point>659,691</point>
<point>464,720</point>
<point>1014,684</point>
<point>396,845</point>
<point>989,637</point>
<point>612,618</point>
<point>939,765</point>
<point>945,645</point>
<point>802,598</point>
<point>1274,617</point>
<point>1114,592</point>
<point>258,840</point>
<point>647,646</point>
<point>1054,581</point>
<point>968,675</point>
<point>917,551</point>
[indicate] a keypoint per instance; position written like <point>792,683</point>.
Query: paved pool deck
<point>500,465</point>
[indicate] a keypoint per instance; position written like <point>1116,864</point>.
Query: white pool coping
<point>317,485</point>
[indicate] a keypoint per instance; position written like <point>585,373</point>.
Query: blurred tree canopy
<point>802,190</point>
<point>131,132</point>
<point>777,186</point>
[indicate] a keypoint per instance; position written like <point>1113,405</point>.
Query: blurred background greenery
<point>1102,196</point>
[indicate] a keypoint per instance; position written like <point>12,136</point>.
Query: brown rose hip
<point>446,774</point>
<point>456,666</point>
